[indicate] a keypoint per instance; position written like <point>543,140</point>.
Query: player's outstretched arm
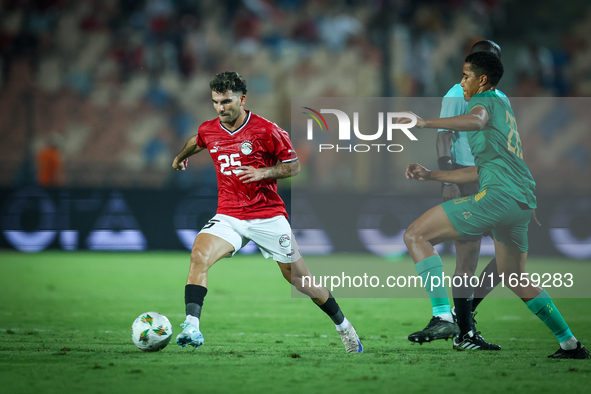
<point>282,170</point>
<point>473,121</point>
<point>180,161</point>
<point>463,175</point>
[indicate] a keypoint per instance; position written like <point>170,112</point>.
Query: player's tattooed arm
<point>181,160</point>
<point>463,175</point>
<point>283,170</point>
<point>250,174</point>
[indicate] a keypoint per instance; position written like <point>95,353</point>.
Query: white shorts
<point>273,236</point>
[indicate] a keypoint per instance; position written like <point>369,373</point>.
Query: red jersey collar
<point>239,128</point>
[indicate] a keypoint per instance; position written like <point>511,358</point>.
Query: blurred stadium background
<point>96,98</point>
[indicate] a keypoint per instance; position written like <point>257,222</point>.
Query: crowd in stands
<point>118,86</point>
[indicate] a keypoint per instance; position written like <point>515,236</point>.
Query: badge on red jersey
<point>246,148</point>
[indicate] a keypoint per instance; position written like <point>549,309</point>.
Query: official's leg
<point>472,216</point>
<point>487,281</point>
<point>469,338</point>
<point>467,252</point>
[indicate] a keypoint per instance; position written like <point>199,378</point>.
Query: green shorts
<point>490,210</point>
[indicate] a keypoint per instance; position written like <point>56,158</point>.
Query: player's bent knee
<point>201,260</point>
<point>411,237</point>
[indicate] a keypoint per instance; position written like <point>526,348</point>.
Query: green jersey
<point>497,150</point>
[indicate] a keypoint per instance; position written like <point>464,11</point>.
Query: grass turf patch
<point>65,323</point>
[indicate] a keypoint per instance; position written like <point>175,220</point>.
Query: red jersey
<point>257,143</point>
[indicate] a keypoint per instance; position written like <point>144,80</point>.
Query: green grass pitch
<point>65,328</point>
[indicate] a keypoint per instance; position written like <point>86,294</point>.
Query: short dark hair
<point>228,80</point>
<point>486,46</point>
<point>485,63</point>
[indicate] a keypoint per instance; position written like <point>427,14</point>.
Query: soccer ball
<point>151,331</point>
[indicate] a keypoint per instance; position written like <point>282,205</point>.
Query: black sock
<point>463,314</point>
<point>463,297</point>
<point>194,295</point>
<point>332,309</point>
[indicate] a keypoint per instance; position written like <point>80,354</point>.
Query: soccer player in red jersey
<point>250,153</point>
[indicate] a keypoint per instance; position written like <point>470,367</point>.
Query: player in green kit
<point>454,152</point>
<point>503,205</point>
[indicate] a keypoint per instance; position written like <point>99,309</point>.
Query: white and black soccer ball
<point>151,331</point>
